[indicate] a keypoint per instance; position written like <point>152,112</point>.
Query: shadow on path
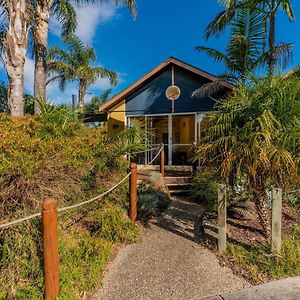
<point>183,218</point>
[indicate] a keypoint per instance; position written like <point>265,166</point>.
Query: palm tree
<point>64,12</point>
<point>15,45</point>
<point>255,134</point>
<point>244,51</point>
<point>74,64</point>
<point>98,101</point>
<point>66,15</point>
<point>268,9</point>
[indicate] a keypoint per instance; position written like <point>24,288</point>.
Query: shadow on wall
<point>115,126</point>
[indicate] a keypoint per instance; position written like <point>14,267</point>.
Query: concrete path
<point>286,289</point>
<point>168,263</point>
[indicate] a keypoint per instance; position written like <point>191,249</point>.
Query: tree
<point>268,9</point>
<point>244,52</point>
<point>4,107</point>
<point>254,134</point>
<point>75,64</point>
<point>97,102</point>
<point>15,44</point>
<point>64,12</point>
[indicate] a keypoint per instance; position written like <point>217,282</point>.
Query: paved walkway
<point>286,289</point>
<point>168,263</point>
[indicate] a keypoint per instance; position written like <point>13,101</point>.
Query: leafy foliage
<point>112,225</point>
<point>205,188</point>
<point>4,107</point>
<point>151,202</point>
<point>255,133</point>
<point>51,157</point>
<point>244,51</point>
<point>97,102</point>
<point>75,64</point>
<point>267,10</point>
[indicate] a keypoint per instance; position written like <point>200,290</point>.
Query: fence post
<point>222,218</point>
<point>50,241</point>
<point>133,192</point>
<point>162,160</point>
<point>276,219</point>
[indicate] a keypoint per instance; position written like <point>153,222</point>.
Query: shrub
<point>51,157</point>
<point>151,202</point>
<point>205,188</point>
<point>112,225</point>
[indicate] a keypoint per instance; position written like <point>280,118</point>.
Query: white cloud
<point>88,18</point>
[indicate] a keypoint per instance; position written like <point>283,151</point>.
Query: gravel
<point>169,262</point>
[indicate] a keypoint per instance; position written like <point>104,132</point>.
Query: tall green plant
<point>244,52</point>
<point>64,12</point>
<point>75,64</point>
<point>268,10</point>
<point>256,133</point>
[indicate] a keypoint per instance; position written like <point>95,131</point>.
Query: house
<point>163,100</point>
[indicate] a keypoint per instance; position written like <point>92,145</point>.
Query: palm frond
<point>65,13</point>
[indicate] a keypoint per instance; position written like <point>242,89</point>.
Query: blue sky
<point>162,28</point>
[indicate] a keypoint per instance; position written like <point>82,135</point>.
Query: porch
<point>177,132</point>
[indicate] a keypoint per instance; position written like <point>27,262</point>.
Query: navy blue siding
<point>151,99</point>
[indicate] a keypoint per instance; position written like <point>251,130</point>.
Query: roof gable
<point>155,73</point>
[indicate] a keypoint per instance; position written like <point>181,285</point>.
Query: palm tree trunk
<point>272,58</point>
<point>81,95</point>
<point>262,209</point>
<point>41,42</point>
<point>15,53</point>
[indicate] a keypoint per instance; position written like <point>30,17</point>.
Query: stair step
<point>179,184</point>
<point>172,192</point>
<point>177,180</point>
<point>175,187</point>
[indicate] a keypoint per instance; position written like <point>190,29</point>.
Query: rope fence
<point>63,209</point>
<point>49,216</point>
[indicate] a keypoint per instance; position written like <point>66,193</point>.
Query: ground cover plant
<point>151,202</point>
<point>50,156</point>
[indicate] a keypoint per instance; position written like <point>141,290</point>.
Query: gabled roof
<point>155,72</point>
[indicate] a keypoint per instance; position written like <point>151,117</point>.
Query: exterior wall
<point>116,119</point>
<point>151,99</point>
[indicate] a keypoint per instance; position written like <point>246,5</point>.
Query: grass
<point>84,250</point>
<point>261,264</point>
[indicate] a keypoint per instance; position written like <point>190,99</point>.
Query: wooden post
<point>276,219</point>
<point>50,240</point>
<point>133,192</point>
<point>162,161</point>
<point>222,218</point>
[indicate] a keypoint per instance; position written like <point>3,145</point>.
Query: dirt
<point>246,229</point>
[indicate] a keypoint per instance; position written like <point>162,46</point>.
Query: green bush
<point>260,262</point>
<point>151,202</point>
<point>205,189</point>
<point>112,225</point>
<point>51,157</point>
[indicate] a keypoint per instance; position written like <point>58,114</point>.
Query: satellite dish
<point>173,92</point>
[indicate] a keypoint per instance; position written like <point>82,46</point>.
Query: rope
<point>155,157</point>
<point>19,220</point>
<point>96,198</point>
<point>81,203</point>
<point>65,208</point>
